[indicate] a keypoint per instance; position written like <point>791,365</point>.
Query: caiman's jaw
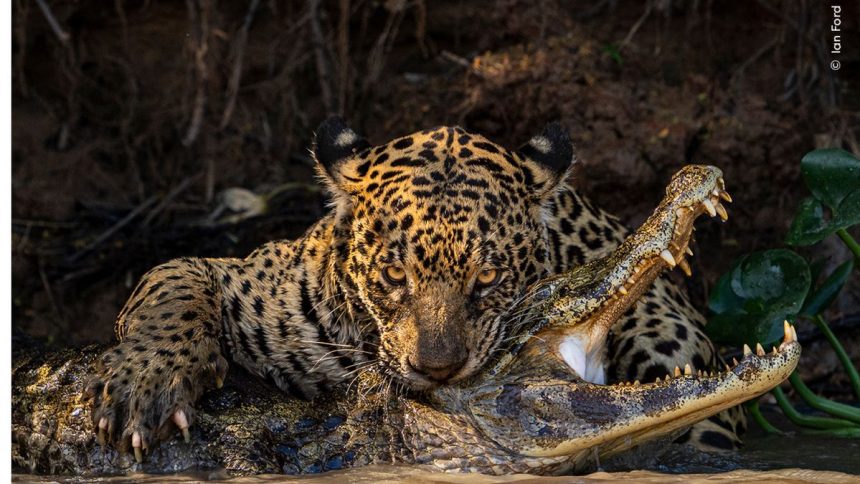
<point>546,397</point>
<point>578,308</point>
<point>563,418</point>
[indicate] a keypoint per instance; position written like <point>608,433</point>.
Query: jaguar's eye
<point>487,278</point>
<point>394,275</point>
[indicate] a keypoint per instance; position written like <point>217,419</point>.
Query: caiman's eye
<point>487,278</point>
<point>394,275</point>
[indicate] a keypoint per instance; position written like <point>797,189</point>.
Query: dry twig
<point>201,75</point>
<point>322,64</point>
<point>236,75</point>
<point>637,25</point>
<point>61,34</point>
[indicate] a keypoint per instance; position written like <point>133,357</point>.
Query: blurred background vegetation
<point>146,130</point>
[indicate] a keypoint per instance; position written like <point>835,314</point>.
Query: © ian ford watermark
<point>836,30</point>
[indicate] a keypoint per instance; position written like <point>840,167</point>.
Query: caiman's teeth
<point>685,266</point>
<point>636,383</point>
<point>667,256</point>
<point>709,207</point>
<point>721,211</point>
<point>759,350</point>
<point>687,370</point>
<point>734,361</point>
<point>677,372</point>
<point>699,373</point>
<point>728,368</point>
<point>786,329</point>
<point>688,251</point>
<point>658,380</point>
<point>725,196</point>
<point>794,333</point>
<point>747,350</point>
<point>715,192</point>
<point>774,350</point>
<point>622,290</point>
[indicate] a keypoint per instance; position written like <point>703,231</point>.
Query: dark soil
<point>128,136</point>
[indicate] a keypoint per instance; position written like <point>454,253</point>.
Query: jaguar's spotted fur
<point>431,238</point>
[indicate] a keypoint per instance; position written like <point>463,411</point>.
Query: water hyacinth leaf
<point>848,212</point>
<point>751,300</point>
<point>811,225</point>
<point>821,297</point>
<point>831,174</point>
<point>736,329</point>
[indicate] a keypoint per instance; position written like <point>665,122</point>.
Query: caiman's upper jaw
<point>578,315</point>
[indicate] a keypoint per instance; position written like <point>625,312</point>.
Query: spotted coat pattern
<point>431,239</point>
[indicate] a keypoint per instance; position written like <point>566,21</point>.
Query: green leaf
<point>751,300</point>
<point>848,212</point>
<point>819,299</point>
<point>808,226</point>
<point>831,174</point>
<point>811,226</point>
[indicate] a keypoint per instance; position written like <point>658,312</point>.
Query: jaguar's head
<point>438,233</point>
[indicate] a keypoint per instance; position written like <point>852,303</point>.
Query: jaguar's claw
<point>102,432</point>
<point>136,443</point>
<point>181,421</point>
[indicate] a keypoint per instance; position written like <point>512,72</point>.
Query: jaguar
<point>431,240</point>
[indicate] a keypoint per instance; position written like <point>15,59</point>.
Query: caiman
<point>540,407</point>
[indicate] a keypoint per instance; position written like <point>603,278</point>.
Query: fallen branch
<point>114,229</point>
<point>175,192</point>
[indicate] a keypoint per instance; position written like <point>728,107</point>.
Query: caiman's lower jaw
<point>614,418</point>
<point>647,254</point>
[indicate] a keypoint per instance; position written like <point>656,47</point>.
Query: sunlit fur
<point>444,205</point>
<point>310,313</point>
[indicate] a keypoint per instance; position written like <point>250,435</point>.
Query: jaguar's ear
<point>549,157</point>
<point>335,149</point>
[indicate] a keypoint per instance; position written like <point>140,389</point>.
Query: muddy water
<point>765,458</point>
<point>391,474</point>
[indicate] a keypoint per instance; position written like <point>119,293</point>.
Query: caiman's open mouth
<point>661,243</point>
<point>532,403</point>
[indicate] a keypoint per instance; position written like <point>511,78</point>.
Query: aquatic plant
<point>762,290</point>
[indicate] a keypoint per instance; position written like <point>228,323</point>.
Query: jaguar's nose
<point>438,371</point>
